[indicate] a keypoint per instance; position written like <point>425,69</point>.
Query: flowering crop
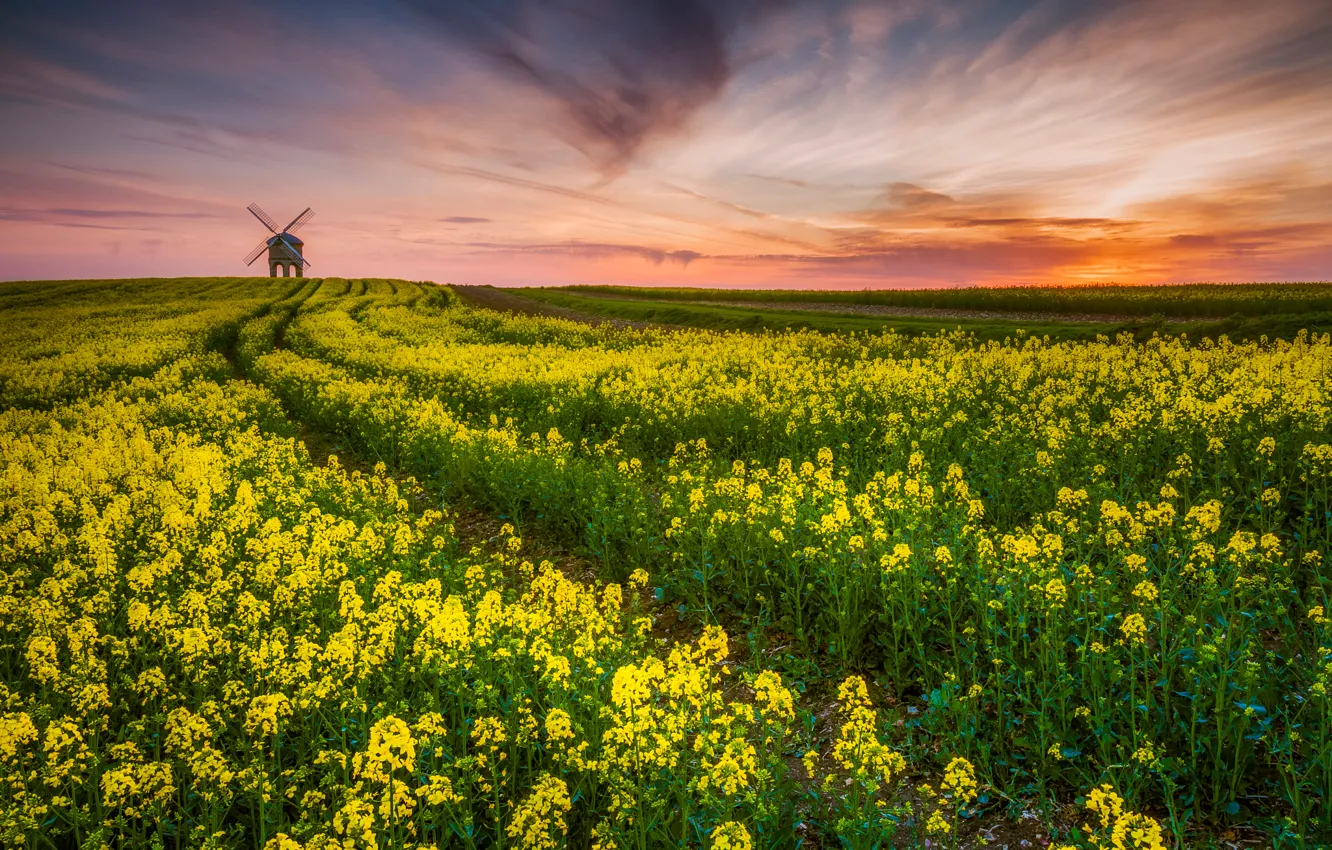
<point>1079,565</point>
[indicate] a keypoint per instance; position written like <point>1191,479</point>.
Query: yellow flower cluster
<point>731,836</point>
<point>538,822</point>
<point>859,748</point>
<point>1118,828</point>
<point>959,781</point>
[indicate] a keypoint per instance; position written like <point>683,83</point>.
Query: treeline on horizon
<point>1210,300</point>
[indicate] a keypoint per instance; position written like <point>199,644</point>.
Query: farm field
<point>563,585</point>
<point>1187,301</point>
<point>724,316</point>
<point>1238,311</point>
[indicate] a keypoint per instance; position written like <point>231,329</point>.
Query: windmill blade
<point>290,249</point>
<point>263,217</point>
<point>292,252</point>
<point>254,255</point>
<point>299,220</point>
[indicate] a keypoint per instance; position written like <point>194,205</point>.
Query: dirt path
<point>497,299</point>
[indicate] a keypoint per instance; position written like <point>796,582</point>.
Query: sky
<point>774,143</point>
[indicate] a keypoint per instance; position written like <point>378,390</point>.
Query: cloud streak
<point>655,256</point>
<point>622,71</point>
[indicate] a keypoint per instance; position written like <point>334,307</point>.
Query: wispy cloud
<point>464,219</point>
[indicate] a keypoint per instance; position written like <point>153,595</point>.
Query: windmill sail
<point>255,254</point>
<point>299,221</point>
<point>263,217</point>
<point>290,250</point>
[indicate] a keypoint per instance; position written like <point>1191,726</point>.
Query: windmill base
<point>288,269</point>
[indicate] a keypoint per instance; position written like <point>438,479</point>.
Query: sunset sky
<point>685,142</point>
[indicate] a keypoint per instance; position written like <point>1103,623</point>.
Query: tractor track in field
<point>476,524</point>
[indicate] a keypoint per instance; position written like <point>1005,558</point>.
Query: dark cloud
<point>911,198</point>
<point>596,250</point>
<point>623,71</point>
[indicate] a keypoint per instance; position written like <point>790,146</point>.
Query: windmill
<point>284,247</point>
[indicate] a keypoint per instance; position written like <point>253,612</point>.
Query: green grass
<point>725,317</point>
<point>716,317</point>
<point>1211,300</point>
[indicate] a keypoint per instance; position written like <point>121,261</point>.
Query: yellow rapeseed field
<point>920,582</point>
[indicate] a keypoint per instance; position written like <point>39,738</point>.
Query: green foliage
<point>1211,300</point>
<point>1068,565</point>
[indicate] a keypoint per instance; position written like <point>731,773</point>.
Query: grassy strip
<point>1192,300</point>
<point>698,315</point>
<point>757,319</point>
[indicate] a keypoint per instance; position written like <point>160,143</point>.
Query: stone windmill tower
<point>285,250</point>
